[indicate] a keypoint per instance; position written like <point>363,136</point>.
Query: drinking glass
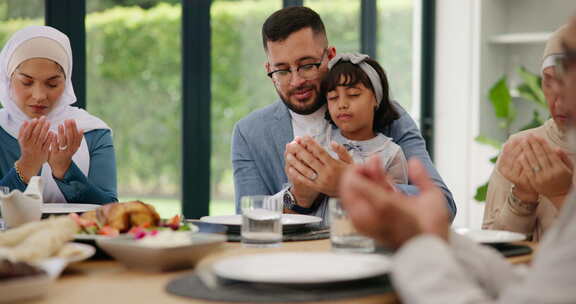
<point>343,235</point>
<point>5,191</point>
<point>261,221</point>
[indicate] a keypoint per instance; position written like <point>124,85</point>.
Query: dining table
<point>108,281</point>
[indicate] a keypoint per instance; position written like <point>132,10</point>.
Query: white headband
<point>359,60</point>
<point>549,61</point>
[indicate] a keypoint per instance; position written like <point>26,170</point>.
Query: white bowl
<point>135,255</point>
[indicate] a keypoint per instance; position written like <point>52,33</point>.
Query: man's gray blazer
<point>260,139</point>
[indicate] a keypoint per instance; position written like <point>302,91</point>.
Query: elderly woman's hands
<point>536,169</point>
<point>64,147</point>
<point>391,217</point>
<point>34,138</point>
<point>549,171</point>
<point>512,169</point>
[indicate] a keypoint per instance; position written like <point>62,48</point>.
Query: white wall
<point>455,107</point>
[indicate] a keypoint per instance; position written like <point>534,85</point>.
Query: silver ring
<point>63,147</point>
<point>536,169</point>
<point>314,176</point>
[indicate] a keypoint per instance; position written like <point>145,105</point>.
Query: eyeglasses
<point>306,71</point>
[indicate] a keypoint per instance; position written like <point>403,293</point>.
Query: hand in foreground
<point>549,171</point>
<point>314,168</point>
<point>63,148</point>
<point>34,138</point>
<point>390,217</point>
<point>513,170</point>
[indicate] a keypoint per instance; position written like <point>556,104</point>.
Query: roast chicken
<point>123,216</point>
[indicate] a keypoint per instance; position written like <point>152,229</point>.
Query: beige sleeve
<point>425,270</point>
<point>397,167</point>
<point>428,270</point>
<point>500,212</point>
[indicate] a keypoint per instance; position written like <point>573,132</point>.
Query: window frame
<point>69,17</point>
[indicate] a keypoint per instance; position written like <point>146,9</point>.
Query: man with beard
<point>278,150</point>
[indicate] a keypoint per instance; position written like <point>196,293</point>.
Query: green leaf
<point>527,93</point>
<point>502,101</point>
<point>531,89</point>
<point>494,159</point>
<point>535,122</point>
<point>488,141</point>
<point>481,193</point>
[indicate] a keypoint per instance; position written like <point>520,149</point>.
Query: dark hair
<point>286,21</point>
<point>345,73</point>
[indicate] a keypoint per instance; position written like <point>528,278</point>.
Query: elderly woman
<point>41,133</point>
<point>534,171</point>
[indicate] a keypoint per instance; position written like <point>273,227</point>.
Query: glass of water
<point>261,221</point>
<point>5,191</point>
<point>343,235</point>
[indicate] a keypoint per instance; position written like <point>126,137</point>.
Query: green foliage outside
<point>134,81</point>
<point>134,72</point>
<point>502,102</point>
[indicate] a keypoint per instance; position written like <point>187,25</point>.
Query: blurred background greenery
<point>134,79</point>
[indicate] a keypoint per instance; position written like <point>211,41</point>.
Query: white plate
<point>134,255</point>
<point>320,267</point>
<point>78,252</point>
<point>491,236</point>
<point>287,219</point>
<point>67,208</point>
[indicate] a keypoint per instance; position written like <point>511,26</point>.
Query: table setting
<point>318,276</point>
<point>505,242</point>
<point>259,256</point>
<point>295,227</point>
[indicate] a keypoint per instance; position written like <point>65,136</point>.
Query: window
<point>396,34</point>
<point>239,84</point>
<point>133,83</point>
<point>16,14</point>
<point>134,77</point>
<point>342,21</point>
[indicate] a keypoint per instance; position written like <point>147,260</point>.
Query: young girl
<point>356,89</point>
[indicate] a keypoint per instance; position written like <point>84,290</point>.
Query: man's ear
<point>267,67</point>
<point>331,52</point>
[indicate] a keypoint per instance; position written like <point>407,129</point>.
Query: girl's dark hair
<point>345,73</point>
